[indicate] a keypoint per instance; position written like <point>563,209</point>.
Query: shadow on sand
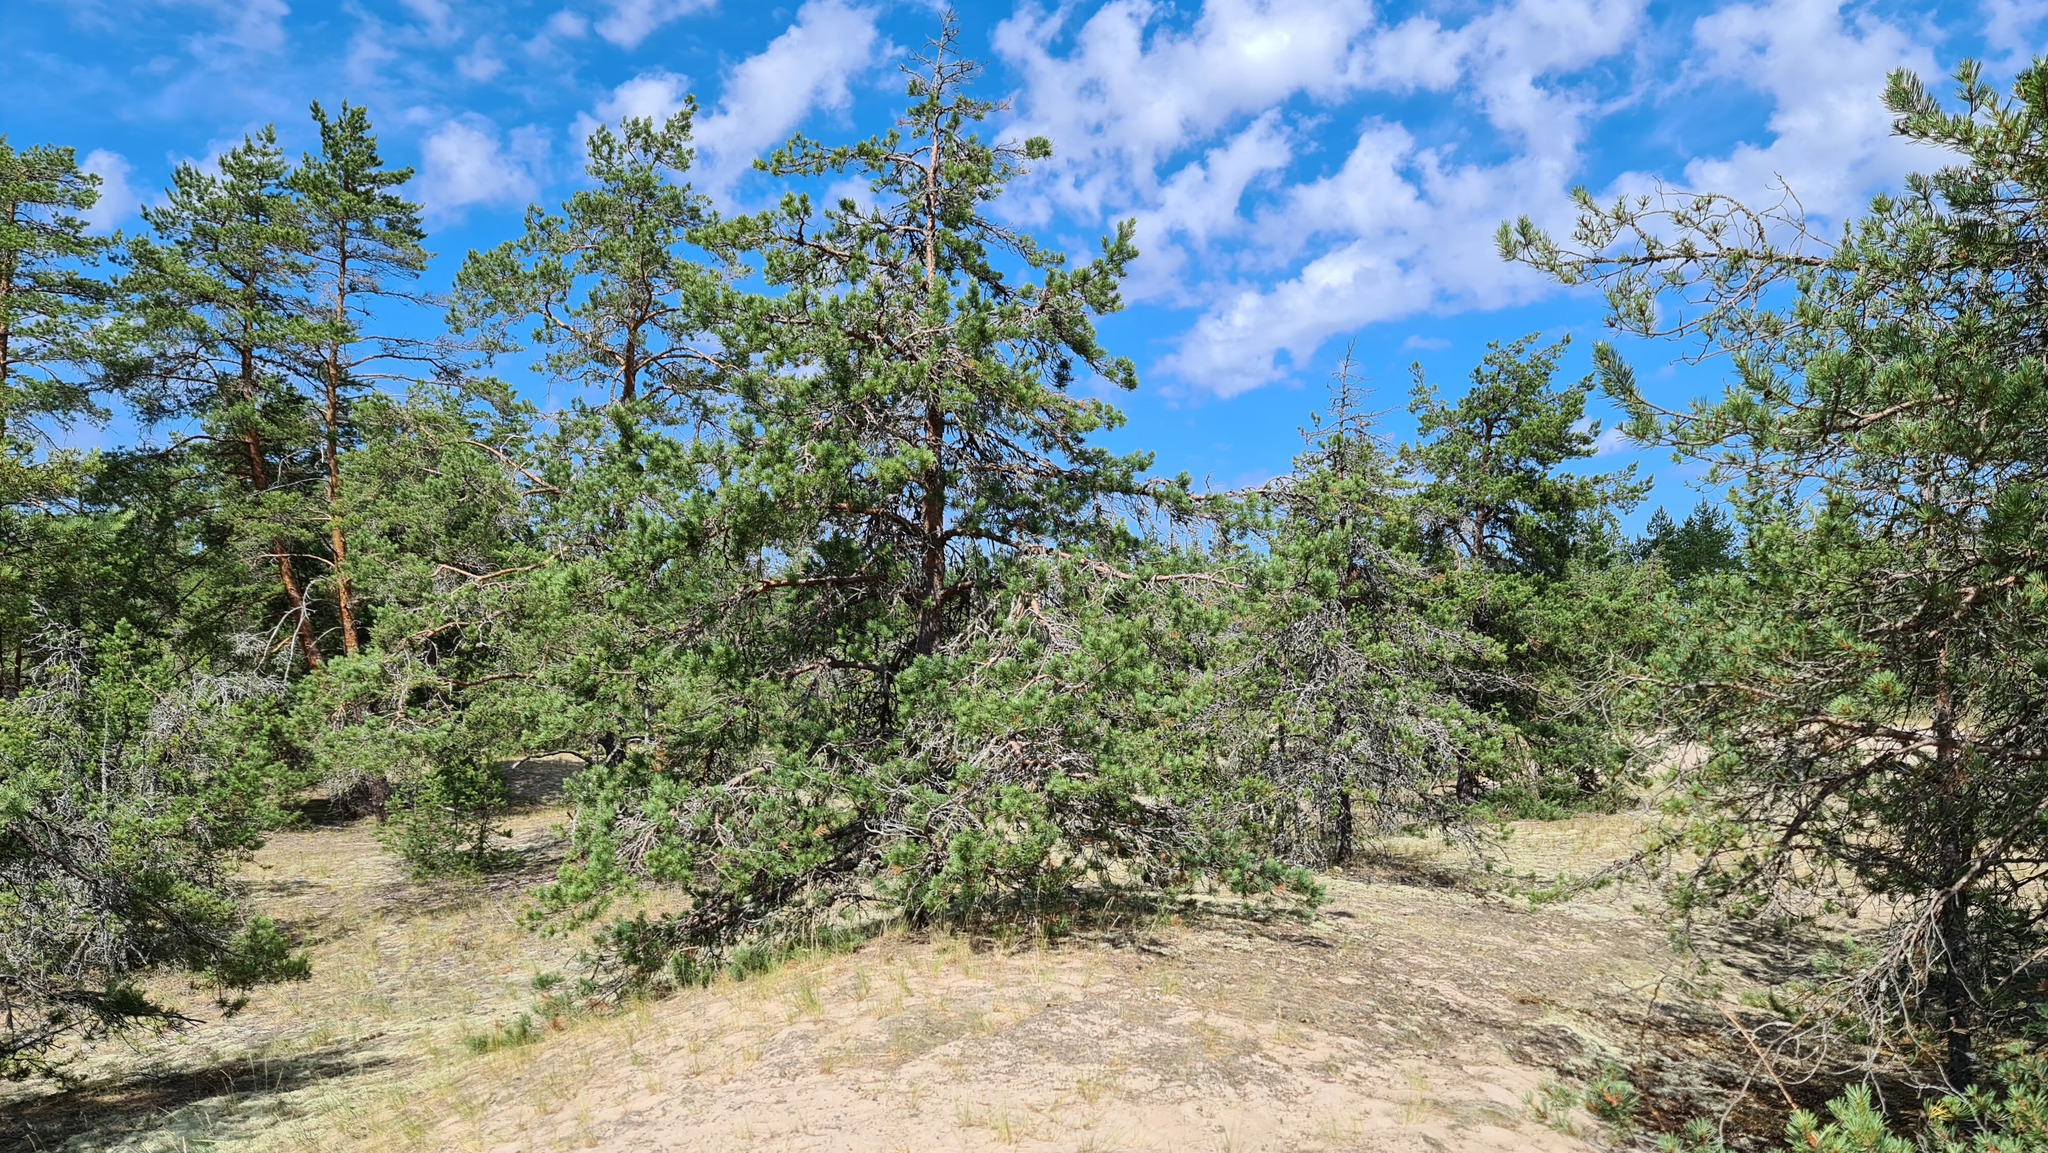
<point>94,1114</point>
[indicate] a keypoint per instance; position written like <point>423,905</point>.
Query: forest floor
<point>1424,1008</point>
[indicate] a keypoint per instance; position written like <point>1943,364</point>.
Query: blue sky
<point>1306,174</point>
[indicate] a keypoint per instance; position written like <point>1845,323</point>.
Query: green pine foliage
<point>50,301</point>
<point>1870,686</point>
<point>611,286</point>
<point>133,788</point>
<point>1525,554</point>
<point>2007,1113</point>
<point>881,544</point>
<point>1702,545</point>
<point>211,315</point>
<point>443,817</point>
<point>1344,692</point>
<point>824,577</point>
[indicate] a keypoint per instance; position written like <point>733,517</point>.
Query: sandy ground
<point>1419,1011</point>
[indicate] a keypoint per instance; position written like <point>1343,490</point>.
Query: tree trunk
<point>1344,827</point>
<point>932,528</point>
<point>629,375</point>
<point>337,541</point>
<point>1957,998</point>
<point>1956,828</point>
<point>280,548</point>
<point>6,334</point>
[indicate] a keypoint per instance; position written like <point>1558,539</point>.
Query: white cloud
<point>1199,204</point>
<point>1401,228</point>
<point>653,95</point>
<point>480,63</point>
<point>254,26</point>
<point>768,95</point>
<point>463,163</point>
<point>1613,442</point>
<point>1404,227</point>
<point>368,51</point>
<point>1416,54</point>
<point>1514,47</point>
<point>1831,140</point>
<point>437,18</point>
<point>1128,94</point>
<point>2012,32</point>
<point>1398,231</point>
<point>631,21</point>
<point>1201,200</point>
<point>118,199</point>
<point>545,45</point>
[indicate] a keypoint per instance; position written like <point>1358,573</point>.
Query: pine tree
<point>364,244</point>
<point>48,297</point>
<point>1701,545</point>
<point>615,299</point>
<point>1341,693</point>
<point>901,450</point>
<point>1873,692</point>
<point>216,310</point>
<point>1495,498</point>
<point>938,429</point>
<point>133,788</point>
<point>1528,555</point>
<point>49,301</point>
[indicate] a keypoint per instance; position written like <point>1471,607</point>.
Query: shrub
<point>443,822</point>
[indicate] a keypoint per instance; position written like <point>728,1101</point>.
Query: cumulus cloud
<point>368,51</point>
<point>1403,226</point>
<point>1610,440</point>
<point>465,163</point>
<point>1399,230</point>
<point>436,17</point>
<point>567,25</point>
<point>628,22</point>
<point>1199,204</point>
<point>1831,140</point>
<point>563,26</point>
<point>655,95</point>
<point>1416,54</point>
<point>766,96</point>
<point>1128,93</point>
<point>118,199</point>
<point>1513,50</point>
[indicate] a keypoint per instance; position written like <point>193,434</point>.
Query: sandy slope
<point>1418,1012</point>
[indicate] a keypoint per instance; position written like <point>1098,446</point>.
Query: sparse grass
<point>805,1000</point>
<point>1335,1130</point>
<point>434,1021</point>
<point>520,1031</point>
<point>1420,1103</point>
<point>1093,1087</point>
<point>1556,1105</point>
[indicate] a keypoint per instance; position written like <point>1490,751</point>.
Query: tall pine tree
<point>215,306</point>
<point>365,244</point>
